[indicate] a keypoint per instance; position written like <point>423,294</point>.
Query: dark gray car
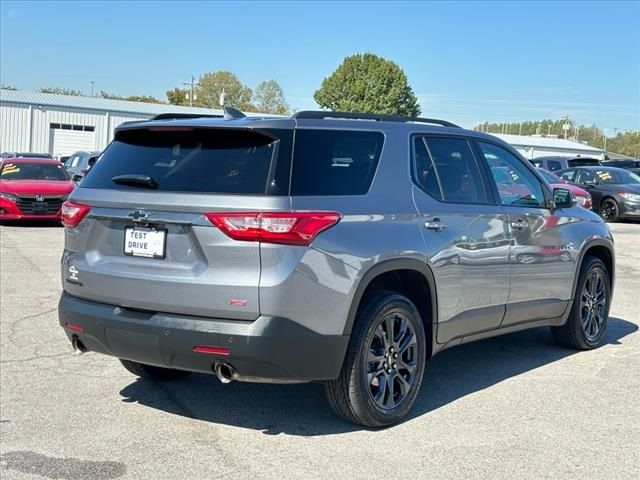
<point>553,163</point>
<point>341,248</point>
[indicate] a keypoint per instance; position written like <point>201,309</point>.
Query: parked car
<point>623,163</point>
<point>32,188</point>
<point>554,163</point>
<point>582,196</point>
<point>30,155</point>
<point>615,191</point>
<point>349,257</point>
<point>78,164</point>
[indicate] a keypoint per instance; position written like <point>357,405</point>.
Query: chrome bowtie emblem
<point>138,215</point>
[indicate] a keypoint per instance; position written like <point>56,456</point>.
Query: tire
<point>584,329</point>
<point>363,397</point>
<point>609,210</point>
<point>150,372</point>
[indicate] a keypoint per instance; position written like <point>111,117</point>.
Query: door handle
<point>519,224</point>
<point>436,224</point>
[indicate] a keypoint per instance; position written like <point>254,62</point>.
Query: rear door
<point>465,234</point>
<point>149,245</point>
<point>542,257</point>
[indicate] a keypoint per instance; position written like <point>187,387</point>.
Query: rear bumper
<point>267,349</point>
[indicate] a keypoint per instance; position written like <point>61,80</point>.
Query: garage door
<point>65,141</point>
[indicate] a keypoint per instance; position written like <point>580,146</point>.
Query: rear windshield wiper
<point>135,180</point>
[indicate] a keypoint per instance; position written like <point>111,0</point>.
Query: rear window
<point>33,171</point>
<point>223,160</point>
<point>583,162</point>
<point>334,162</point>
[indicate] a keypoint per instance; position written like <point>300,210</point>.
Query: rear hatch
<point>147,242</point>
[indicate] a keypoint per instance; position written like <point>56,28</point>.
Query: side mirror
<point>563,198</point>
<point>76,178</point>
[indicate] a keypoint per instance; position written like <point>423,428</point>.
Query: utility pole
<point>92,82</point>
<point>191,85</point>
<point>604,135</point>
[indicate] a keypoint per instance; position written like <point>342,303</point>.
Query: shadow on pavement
<point>302,409</point>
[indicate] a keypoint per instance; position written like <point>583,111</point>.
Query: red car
<point>582,196</point>
<point>33,188</point>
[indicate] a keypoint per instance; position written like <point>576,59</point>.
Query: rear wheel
<point>609,210</point>
<point>150,372</point>
<point>382,372</point>
<point>587,320</point>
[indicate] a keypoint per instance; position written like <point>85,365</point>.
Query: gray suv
<point>334,247</point>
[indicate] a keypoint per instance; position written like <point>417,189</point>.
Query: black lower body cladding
<point>269,348</point>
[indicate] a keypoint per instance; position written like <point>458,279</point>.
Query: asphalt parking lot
<point>512,407</point>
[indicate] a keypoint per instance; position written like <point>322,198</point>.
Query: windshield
<point>549,177</point>
<point>616,177</point>
<point>33,171</point>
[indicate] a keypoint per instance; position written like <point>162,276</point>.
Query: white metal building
<point>63,124</point>
<point>532,147</point>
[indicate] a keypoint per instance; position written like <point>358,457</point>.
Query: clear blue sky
<point>467,62</point>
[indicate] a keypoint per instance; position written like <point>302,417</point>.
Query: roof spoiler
<point>378,117</point>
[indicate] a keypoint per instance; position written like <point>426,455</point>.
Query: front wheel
<point>587,320</point>
<point>383,369</point>
<point>609,210</point>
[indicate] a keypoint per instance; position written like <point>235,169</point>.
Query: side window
<point>446,169</point>
<point>72,161</point>
<point>517,185</point>
<point>569,175</point>
<point>554,165</point>
<point>334,162</point>
<point>586,176</point>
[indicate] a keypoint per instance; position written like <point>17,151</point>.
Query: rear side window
<point>446,169</point>
<point>223,160</point>
<point>554,165</point>
<point>334,162</point>
<point>569,175</point>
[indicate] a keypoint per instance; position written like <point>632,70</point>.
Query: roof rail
<point>171,116</point>
<point>378,117</point>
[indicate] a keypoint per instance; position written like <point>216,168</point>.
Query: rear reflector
<point>76,328</point>
<point>72,213</point>
<point>213,350</point>
<point>289,228</point>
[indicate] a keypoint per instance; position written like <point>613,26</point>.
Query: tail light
<point>72,213</point>
<point>289,228</point>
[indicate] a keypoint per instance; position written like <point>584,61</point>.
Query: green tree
<point>210,86</point>
<point>61,91</point>
<point>7,87</point>
<point>132,98</point>
<point>178,96</point>
<point>627,143</point>
<point>269,98</point>
<point>368,83</point>
<point>143,99</point>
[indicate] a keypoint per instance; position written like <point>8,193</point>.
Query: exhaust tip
<point>225,372</point>
<point>78,346</point>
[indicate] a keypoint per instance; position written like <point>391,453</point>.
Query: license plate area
<point>147,242</point>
